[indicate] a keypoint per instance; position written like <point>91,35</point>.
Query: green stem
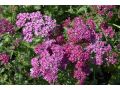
<point>94,72</point>
<point>116,25</point>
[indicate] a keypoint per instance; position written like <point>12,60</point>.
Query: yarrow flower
<point>73,52</point>
<point>6,27</point>
<point>81,30</point>
<point>35,24</point>
<point>35,71</point>
<point>107,30</point>
<point>112,58</point>
<point>50,58</point>
<point>101,49</point>
<point>4,58</point>
<point>77,55</point>
<point>105,10</point>
<point>67,22</point>
<point>81,71</point>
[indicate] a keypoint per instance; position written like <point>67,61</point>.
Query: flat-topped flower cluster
<point>35,24</point>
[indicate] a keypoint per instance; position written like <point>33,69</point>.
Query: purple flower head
<point>107,30</point>
<point>6,27</point>
<point>73,52</point>
<point>81,71</point>
<point>81,30</point>
<point>42,47</point>
<point>67,22</point>
<point>4,58</point>
<point>50,59</point>
<point>35,62</point>
<point>35,72</point>
<point>106,10</point>
<point>112,58</point>
<point>35,24</point>
<point>100,48</point>
<point>21,19</point>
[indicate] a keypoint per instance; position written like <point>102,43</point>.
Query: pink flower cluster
<point>77,55</point>
<point>4,58</point>
<point>105,10</point>
<point>100,48</point>
<point>91,41</point>
<point>83,45</point>
<point>48,61</point>
<point>81,71</point>
<point>81,30</point>
<point>107,30</point>
<point>84,41</point>
<point>35,24</point>
<point>6,27</point>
